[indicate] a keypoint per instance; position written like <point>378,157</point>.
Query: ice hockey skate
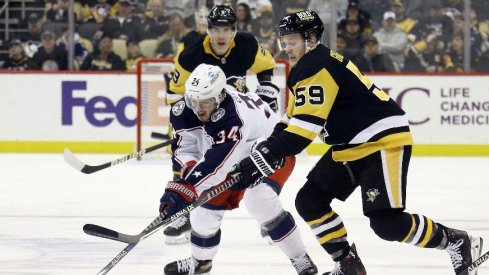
<point>304,265</point>
<point>463,249</point>
<point>178,232</point>
<point>188,266</point>
<point>350,265</point>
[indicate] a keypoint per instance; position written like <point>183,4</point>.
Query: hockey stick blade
<point>102,232</point>
<point>479,261</point>
<point>157,223</point>
<point>76,163</point>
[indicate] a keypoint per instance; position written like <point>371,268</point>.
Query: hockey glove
<point>254,168</point>
<point>268,92</point>
<point>178,195</point>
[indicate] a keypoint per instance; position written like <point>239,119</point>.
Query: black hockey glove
<point>261,163</point>
<point>178,195</point>
<point>268,92</point>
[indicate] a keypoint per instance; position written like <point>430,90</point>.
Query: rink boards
<point>46,112</point>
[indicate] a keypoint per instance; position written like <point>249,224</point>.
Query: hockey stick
<point>479,261</point>
<point>76,163</point>
<point>160,136</point>
<point>154,226</point>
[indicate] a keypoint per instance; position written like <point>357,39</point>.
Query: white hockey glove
<point>268,92</point>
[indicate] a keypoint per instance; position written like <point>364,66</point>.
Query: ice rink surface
<point>44,204</point>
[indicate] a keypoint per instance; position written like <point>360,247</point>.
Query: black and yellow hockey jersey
<point>332,98</point>
<point>244,54</point>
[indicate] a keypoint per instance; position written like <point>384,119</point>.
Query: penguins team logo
<point>177,109</point>
<point>218,114</point>
<point>372,194</point>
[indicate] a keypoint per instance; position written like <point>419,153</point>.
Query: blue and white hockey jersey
<point>220,143</point>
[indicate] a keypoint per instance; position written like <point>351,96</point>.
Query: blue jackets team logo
<point>218,114</point>
<point>177,109</point>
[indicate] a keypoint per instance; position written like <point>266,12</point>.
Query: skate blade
<point>175,240</point>
<point>476,250</point>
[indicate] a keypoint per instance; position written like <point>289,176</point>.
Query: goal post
<point>153,76</point>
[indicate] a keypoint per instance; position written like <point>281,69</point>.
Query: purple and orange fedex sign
<point>100,111</point>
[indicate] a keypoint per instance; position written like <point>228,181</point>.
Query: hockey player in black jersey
<point>235,53</point>
<point>370,147</point>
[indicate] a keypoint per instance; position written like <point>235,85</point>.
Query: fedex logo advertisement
<point>99,110</point>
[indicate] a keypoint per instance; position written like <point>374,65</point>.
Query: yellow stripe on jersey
<point>263,61</point>
<point>333,235</point>
<point>322,219</point>
<point>365,149</point>
<point>313,96</point>
<point>428,234</point>
<point>413,227</point>
<point>392,169</point>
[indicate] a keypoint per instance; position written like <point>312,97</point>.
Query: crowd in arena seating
<point>378,35</point>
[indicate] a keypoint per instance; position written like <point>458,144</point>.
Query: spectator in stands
<point>483,63</point>
<point>17,60</point>
<point>376,9</point>
<point>243,16</point>
<point>475,36</point>
<point>58,11</point>
<point>168,42</point>
<point>454,58</point>
<point>255,6</point>
<point>482,26</point>
<point>354,13</point>
<point>124,25</point>
<point>134,55</point>
<point>155,24</point>
<point>32,38</point>
<point>186,9</point>
<point>200,28</point>
<point>82,46</point>
<point>439,22</point>
<point>97,11</point>
<point>354,39</point>
<point>392,40</point>
<point>372,60</point>
<point>426,55</point>
<point>340,43</point>
<point>404,22</point>
<point>265,31</point>
<point>416,9</point>
<point>49,57</point>
<point>103,59</point>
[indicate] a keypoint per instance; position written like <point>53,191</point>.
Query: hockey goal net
<point>153,76</point>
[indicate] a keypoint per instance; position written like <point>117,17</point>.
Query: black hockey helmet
<point>221,15</point>
<point>304,22</point>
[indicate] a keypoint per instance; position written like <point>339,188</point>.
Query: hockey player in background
<point>370,147</point>
<point>235,53</point>
<point>214,128</point>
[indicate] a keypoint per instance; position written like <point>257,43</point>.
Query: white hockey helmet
<point>205,82</point>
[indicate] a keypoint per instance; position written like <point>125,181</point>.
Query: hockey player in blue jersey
<point>214,128</point>
<point>370,148</point>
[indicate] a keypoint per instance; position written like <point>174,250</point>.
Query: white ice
<point>44,203</point>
